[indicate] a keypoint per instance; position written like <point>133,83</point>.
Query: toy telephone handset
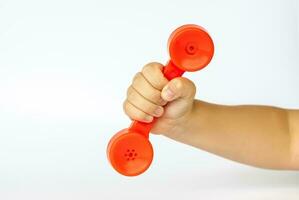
<point>191,49</point>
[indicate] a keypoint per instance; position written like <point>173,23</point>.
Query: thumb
<point>178,88</point>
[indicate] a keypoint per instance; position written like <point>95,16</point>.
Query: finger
<point>143,87</point>
<point>179,88</point>
<point>143,104</point>
<point>135,113</point>
<point>154,75</point>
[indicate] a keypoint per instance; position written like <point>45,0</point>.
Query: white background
<point>64,69</point>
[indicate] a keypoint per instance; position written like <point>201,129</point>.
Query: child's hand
<point>150,91</point>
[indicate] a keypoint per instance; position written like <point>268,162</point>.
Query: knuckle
<point>129,90</point>
<point>154,75</point>
<point>125,107</point>
<point>182,83</point>
<point>131,95</point>
<point>148,68</point>
<point>191,86</point>
<point>178,83</point>
<point>139,83</point>
<point>158,83</point>
<point>136,77</point>
<point>187,86</point>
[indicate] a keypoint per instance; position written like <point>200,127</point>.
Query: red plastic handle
<point>170,71</point>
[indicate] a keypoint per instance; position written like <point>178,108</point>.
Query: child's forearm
<point>255,135</point>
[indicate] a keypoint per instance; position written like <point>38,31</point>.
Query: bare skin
<point>261,136</point>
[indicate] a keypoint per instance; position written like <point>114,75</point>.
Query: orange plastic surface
<point>190,47</point>
<point>130,151</point>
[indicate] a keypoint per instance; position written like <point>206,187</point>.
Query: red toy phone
<point>190,48</point>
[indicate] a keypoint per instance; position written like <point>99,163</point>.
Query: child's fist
<point>150,91</point>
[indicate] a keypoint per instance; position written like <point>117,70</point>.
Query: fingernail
<point>148,118</point>
<point>169,93</point>
<point>158,111</point>
<point>162,102</point>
